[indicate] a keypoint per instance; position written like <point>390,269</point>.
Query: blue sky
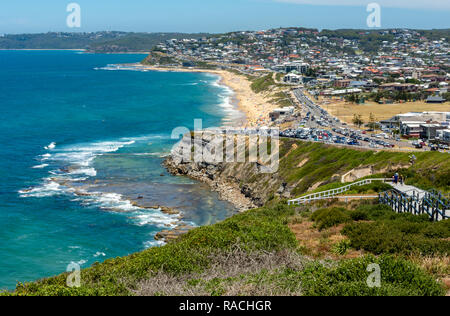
<point>22,16</point>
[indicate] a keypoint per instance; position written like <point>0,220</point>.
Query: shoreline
<point>254,106</point>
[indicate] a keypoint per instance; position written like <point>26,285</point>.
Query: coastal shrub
<point>399,237</point>
<point>399,277</point>
<point>329,217</point>
<point>341,247</point>
<point>359,215</point>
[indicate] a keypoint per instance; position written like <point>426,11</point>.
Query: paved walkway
<point>409,190</point>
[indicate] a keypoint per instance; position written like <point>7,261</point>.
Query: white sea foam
<point>111,201</point>
<point>153,243</point>
<point>79,159</point>
<point>91,172</point>
<point>84,154</point>
<point>99,254</point>
<point>230,109</point>
<point>40,166</point>
<point>51,146</point>
<point>114,202</point>
<point>115,67</point>
<point>45,157</point>
<point>154,217</point>
<point>49,188</point>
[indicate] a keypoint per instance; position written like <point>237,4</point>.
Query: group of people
<point>398,178</point>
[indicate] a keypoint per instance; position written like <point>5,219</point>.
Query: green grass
<point>324,162</point>
<point>262,84</point>
<point>375,187</point>
<point>399,277</point>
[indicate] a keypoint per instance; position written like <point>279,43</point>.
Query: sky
<point>217,16</point>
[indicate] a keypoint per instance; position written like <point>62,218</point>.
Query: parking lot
<point>317,124</point>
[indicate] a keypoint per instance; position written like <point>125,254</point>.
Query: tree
<point>372,122</point>
<point>357,120</point>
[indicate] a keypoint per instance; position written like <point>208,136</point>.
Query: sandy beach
<point>255,106</point>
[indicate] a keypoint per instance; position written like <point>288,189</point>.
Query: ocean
<point>81,138</point>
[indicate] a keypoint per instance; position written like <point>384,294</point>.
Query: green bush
<point>342,247</point>
<point>359,215</point>
<point>349,278</point>
<point>399,237</point>
<point>326,218</point>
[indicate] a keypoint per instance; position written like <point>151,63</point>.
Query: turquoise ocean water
<point>80,139</point>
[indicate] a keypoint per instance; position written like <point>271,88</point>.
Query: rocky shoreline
<point>172,234</point>
<point>210,174</point>
<point>229,180</point>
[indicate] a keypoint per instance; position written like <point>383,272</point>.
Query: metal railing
<point>333,192</point>
<point>431,203</point>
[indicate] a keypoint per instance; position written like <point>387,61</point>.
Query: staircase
<point>417,202</point>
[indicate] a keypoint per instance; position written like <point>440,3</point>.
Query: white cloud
<point>406,4</point>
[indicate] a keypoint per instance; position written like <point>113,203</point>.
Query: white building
<point>444,135</point>
<point>293,78</point>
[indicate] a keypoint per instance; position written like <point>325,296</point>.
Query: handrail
<point>430,203</point>
<point>333,192</point>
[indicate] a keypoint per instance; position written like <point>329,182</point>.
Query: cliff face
<point>303,167</point>
<point>239,183</point>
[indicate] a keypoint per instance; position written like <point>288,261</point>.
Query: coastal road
<point>318,113</point>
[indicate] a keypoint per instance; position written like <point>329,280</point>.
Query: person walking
<point>396,178</point>
<point>401,180</point>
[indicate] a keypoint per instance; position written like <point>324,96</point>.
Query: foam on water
<point>70,162</point>
<point>153,243</point>
<point>74,160</point>
<point>47,189</point>
<point>99,254</point>
<point>40,166</point>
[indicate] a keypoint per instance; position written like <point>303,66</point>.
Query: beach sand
<point>256,107</point>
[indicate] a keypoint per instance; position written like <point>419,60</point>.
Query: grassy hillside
<point>253,253</point>
<point>310,167</point>
<point>432,169</point>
